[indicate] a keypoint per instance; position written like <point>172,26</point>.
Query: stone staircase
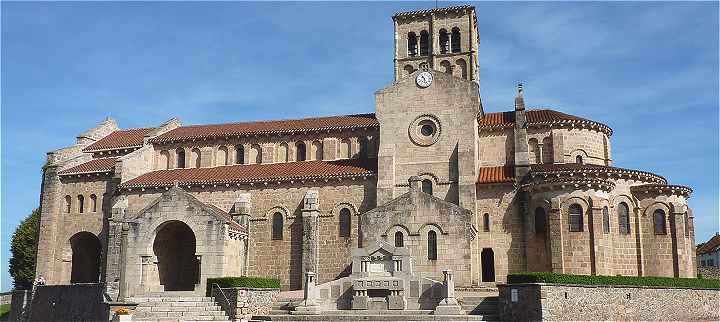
<point>481,305</point>
<point>176,306</point>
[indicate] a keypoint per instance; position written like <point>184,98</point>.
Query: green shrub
<point>242,281</point>
<point>554,278</point>
<point>4,311</point>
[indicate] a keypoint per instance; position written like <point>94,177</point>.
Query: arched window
<point>239,154</point>
<point>424,43</point>
<point>317,150</point>
<point>579,159</point>
<point>180,157</point>
<point>222,156</point>
<point>427,186</point>
<point>300,151</point>
<point>345,149</point>
<point>659,221</point>
<point>164,160</point>
<point>93,203</point>
<point>196,157</point>
<point>444,41</point>
<point>255,154</point>
<point>68,204</point>
<point>81,204</point>
<point>408,70</point>
<point>412,44</point>
<point>345,222</point>
<point>282,153</point>
<point>486,222</point>
<point>277,226</point>
<point>623,213</point>
<point>575,217</point>
<point>455,40</point>
<point>461,68</point>
<point>540,221</point>
<point>399,239</point>
<point>432,245</point>
<point>446,67</point>
<point>606,220</point>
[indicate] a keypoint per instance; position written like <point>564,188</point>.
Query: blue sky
<point>649,70</point>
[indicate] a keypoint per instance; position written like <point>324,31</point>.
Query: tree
<point>24,251</point>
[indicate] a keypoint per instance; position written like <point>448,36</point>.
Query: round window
<point>424,130</point>
<point>427,129</point>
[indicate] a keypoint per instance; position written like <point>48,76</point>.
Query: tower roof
<point>430,11</point>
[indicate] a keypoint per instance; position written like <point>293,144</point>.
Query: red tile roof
<point>120,139</point>
<point>267,127</point>
<point>500,174</point>
<point>710,246</point>
<point>500,120</point>
<point>302,170</point>
<point>594,168</point>
<point>92,166</point>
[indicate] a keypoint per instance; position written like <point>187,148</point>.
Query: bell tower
<point>443,39</point>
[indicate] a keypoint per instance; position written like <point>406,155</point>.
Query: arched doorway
<point>488,265</point>
<point>85,258</point>
<point>174,246</point>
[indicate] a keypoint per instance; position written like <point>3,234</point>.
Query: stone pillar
<point>309,305</point>
<point>51,211</point>
<point>123,287</point>
<point>597,237</point>
<point>310,214</point>
<point>449,305</point>
<point>555,227</point>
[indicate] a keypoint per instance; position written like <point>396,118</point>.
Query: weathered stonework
<point>549,302</point>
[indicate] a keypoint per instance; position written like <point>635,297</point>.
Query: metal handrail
<point>227,301</point>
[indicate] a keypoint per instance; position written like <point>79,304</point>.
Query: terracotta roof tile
<point>120,139</point>
<point>227,217</point>
<point>500,174</point>
<point>500,120</point>
<point>435,10</point>
<point>264,127</point>
<point>255,173</point>
<point>92,166</point>
<point>710,246</point>
<point>571,167</point>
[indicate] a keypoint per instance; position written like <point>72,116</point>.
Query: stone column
<point>51,211</point>
<point>310,214</point>
<point>449,305</point>
<point>309,305</point>
<point>555,228</point>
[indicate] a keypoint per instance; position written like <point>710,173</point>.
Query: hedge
<point>242,281</point>
<point>554,278</point>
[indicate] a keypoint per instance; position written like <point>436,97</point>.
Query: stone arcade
<point>384,210</point>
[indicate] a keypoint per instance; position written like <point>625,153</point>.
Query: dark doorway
<point>174,247</point>
<point>488,265</point>
<point>85,258</point>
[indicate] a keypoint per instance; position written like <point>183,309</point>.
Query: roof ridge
<point>282,120</point>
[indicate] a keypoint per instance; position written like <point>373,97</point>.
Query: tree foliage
<point>24,251</point>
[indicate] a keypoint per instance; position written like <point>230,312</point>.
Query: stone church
<point>483,194</point>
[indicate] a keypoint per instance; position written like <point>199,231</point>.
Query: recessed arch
<point>222,156</point>
<point>174,246</point>
<point>196,155</point>
<point>300,151</point>
<point>86,254</point>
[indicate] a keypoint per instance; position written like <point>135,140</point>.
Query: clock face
<point>424,79</point>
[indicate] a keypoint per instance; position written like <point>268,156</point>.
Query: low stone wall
<point>536,302</point>
<point>5,298</point>
<point>245,301</point>
<point>76,302</point>
<point>709,272</point>
<point>19,305</point>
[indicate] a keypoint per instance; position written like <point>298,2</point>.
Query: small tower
<point>443,39</point>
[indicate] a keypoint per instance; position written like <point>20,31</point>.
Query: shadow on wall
<point>77,302</point>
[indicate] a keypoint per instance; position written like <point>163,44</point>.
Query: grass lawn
<point>4,311</point>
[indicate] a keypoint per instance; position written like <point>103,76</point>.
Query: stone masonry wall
<point>629,303</point>
<point>282,258</point>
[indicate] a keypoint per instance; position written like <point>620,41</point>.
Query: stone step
<point>169,304</point>
<point>178,308</point>
<point>179,316</point>
<point>352,316</point>
<point>141,299</point>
